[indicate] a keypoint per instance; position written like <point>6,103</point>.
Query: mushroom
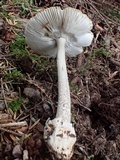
<point>58,32</point>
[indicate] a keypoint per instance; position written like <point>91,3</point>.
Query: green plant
<point>4,14</point>
<point>15,1</point>
<point>100,52</point>
<point>23,4</point>
<point>1,3</point>
<point>18,47</point>
<point>85,67</point>
<point>26,6</point>
<point>15,75</point>
<point>74,87</point>
<point>44,63</point>
<point>91,157</point>
<point>115,13</point>
<point>15,104</point>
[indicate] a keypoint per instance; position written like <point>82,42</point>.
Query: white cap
<point>52,23</point>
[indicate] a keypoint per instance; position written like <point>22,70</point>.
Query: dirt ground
<point>28,91</point>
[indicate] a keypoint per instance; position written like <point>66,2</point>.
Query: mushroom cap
<point>47,26</point>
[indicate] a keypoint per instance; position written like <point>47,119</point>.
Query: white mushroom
<point>57,32</point>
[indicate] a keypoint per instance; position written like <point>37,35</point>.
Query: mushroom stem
<point>59,133</point>
<point>64,103</point>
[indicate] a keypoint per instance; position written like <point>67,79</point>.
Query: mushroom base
<point>60,137</point>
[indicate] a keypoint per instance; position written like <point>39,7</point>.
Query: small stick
<point>3,92</point>
<point>14,124</point>
<point>114,42</point>
<point>9,131</point>
<point>22,118</point>
<point>97,35</point>
<point>31,127</point>
<point>80,103</point>
<point>115,62</point>
<point>98,27</point>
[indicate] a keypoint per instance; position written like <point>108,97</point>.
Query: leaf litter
<point>28,87</point>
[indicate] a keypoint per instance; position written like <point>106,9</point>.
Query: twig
<point>28,111</point>
<point>98,27</point>
<point>97,35</point>
<point>3,92</point>
<point>115,62</point>
<point>101,15</point>
<point>14,124</point>
<point>22,118</point>
<point>31,127</point>
<point>80,102</point>
<point>5,118</point>
<point>114,42</point>
<point>9,131</point>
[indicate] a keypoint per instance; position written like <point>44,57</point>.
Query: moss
<point>18,47</point>
<point>15,104</point>
<point>100,52</point>
<point>115,14</point>
<point>74,87</point>
<point>15,76</point>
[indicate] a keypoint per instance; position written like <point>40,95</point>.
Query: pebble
<point>31,92</point>
<point>2,105</point>
<point>17,152</point>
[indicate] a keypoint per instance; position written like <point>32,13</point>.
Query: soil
<point>94,78</point>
